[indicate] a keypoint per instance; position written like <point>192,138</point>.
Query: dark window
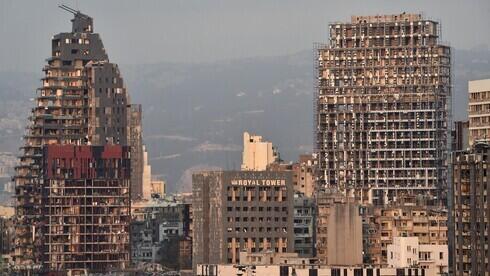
<point>358,272</point>
<point>284,271</point>
<point>313,272</point>
<point>400,272</point>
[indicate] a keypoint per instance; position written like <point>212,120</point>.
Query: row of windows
<point>254,209</point>
<point>254,219</point>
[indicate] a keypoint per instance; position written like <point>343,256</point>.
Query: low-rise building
<point>382,224</point>
<point>408,252</point>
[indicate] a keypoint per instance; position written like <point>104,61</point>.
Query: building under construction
<point>82,102</point>
<point>383,105</point>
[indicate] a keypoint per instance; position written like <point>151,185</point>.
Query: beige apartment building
<point>303,173</point>
<point>383,224</point>
<point>257,154</point>
<point>479,110</point>
<point>408,252</point>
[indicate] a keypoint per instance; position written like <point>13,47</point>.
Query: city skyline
<point>392,183</point>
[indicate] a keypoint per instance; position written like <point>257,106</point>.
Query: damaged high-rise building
<point>72,202</point>
<point>383,106</point>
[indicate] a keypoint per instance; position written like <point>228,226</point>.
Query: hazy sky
<point>200,31</point>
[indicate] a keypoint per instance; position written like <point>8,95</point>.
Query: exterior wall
<point>254,210</point>
<point>404,252</point>
<point>87,201</point>
<point>257,154</point>
<point>339,230</point>
<point>460,136</point>
<point>158,187</point>
<point>382,108</point>
<point>407,252</point>
<point>135,114</point>
<point>207,214</point>
<point>434,256</point>
<point>306,270</point>
<point>304,175</point>
<point>478,111</point>
<point>146,176</point>
<point>108,104</point>
<point>471,211</point>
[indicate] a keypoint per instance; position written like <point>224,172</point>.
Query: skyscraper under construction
<point>74,177</point>
<point>383,106</point>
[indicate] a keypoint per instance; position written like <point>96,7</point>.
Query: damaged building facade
<point>236,211</point>
<point>83,106</point>
<point>383,104</point>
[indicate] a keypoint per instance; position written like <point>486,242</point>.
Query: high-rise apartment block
<point>257,154</point>
<point>471,210</point>
<point>383,105</point>
<point>237,211</point>
<point>86,208</point>
<point>479,111</point>
<point>73,214</point>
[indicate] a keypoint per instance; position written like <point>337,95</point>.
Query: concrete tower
<point>383,104</point>
<point>77,139</point>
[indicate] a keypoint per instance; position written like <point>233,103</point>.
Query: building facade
<point>237,211</point>
<point>479,111</point>
<point>304,226</point>
<point>382,108</point>
<point>460,136</point>
<point>82,102</point>
<point>87,201</point>
<point>306,270</point>
<point>471,210</point>
<point>135,119</point>
<point>407,252</point>
<point>339,230</point>
<point>303,173</point>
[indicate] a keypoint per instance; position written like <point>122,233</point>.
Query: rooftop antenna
<point>68,9</point>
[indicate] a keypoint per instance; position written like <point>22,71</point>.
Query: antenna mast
<point>68,9</point>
